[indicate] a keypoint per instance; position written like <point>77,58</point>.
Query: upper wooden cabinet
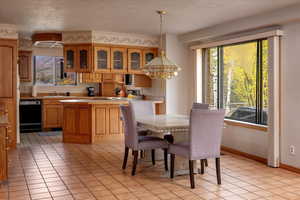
<point>84,58</point>
<point>102,59</point>
<point>134,61</point>
<point>25,58</point>
<point>70,58</point>
<point>148,55</point>
<point>119,60</point>
<point>78,58</point>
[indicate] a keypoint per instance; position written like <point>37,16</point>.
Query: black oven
<point>30,116</point>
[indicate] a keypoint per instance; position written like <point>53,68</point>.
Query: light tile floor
<point>44,168</point>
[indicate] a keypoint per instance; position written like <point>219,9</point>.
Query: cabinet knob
<point>6,138</point>
<point>7,148</point>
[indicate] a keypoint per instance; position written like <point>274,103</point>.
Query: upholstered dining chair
<point>203,106</point>
<point>132,140</point>
<point>205,136</point>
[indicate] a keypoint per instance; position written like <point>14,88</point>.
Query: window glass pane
<point>212,97</point>
<point>265,83</point>
<point>44,70</point>
<point>239,81</point>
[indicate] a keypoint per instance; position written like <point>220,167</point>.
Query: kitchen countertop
<point>94,101</point>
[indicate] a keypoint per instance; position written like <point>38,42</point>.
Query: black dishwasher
<point>30,116</point>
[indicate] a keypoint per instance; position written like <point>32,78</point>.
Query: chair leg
<point>142,154</point>
<point>172,165</point>
<point>135,159</point>
<point>125,158</point>
<point>202,166</point>
<point>218,170</point>
<point>166,159</point>
<point>206,163</point>
<point>153,156</point>
<point>192,180</point>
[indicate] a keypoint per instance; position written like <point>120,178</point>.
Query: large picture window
<point>49,71</point>
<point>238,80</point>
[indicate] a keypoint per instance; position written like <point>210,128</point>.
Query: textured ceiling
<point>136,16</point>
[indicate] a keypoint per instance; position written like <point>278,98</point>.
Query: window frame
<point>259,84</point>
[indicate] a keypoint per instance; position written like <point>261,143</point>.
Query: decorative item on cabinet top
<point>101,58</point>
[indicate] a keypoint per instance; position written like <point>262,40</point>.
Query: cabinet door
<point>119,60</point>
<point>10,108</point>
<point>100,121</point>
<point>25,67</point>
<point>148,55</point>
<point>52,116</point>
<point>70,61</point>
<point>101,59</point>
<point>134,61</point>
<point>83,114</point>
<point>69,125</point>
<point>84,58</point>
<point>6,71</point>
<point>3,153</point>
<point>113,122</point>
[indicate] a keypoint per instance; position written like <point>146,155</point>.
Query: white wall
<point>290,94</point>
<point>180,89</point>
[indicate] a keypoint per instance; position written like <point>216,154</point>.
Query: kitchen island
<point>87,121</point>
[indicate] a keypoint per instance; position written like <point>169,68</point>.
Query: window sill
<point>246,125</point>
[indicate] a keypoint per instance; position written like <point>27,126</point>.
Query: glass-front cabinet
<point>148,55</point>
<point>70,58</point>
<point>119,60</point>
<point>134,61</point>
<point>102,59</point>
<point>84,58</point>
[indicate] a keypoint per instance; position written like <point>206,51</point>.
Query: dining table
<point>172,127</point>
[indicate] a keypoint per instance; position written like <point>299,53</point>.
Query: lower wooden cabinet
<point>3,153</point>
<point>89,123</point>
<point>52,114</point>
<point>10,107</point>
<point>107,121</point>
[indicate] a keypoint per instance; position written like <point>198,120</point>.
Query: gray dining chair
<point>205,136</point>
<point>136,143</point>
<point>203,106</point>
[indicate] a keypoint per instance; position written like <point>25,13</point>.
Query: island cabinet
<point>106,121</point>
<point>52,114</point>
<point>77,124</point>
<point>86,122</point>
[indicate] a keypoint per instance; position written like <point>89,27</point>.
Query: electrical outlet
<point>292,150</point>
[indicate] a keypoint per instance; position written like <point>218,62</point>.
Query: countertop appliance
<point>91,91</point>
<point>30,115</point>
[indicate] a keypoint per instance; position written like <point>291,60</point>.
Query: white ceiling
<point>137,16</point>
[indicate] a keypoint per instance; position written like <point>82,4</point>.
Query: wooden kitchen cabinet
<point>134,61</point>
<point>102,59</point>
<point>70,61</point>
<point>78,58</point>
<point>77,124</point>
<point>25,66</point>
<point>52,114</point>
<point>119,59</point>
<point>3,152</point>
<point>91,78</point>
<point>148,55</point>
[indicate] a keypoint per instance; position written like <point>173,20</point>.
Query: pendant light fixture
<point>161,67</point>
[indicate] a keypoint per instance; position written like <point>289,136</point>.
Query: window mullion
<point>220,78</point>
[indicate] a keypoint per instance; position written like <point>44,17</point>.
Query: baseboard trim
<point>290,168</point>
<point>246,155</point>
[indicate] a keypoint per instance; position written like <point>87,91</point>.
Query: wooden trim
<point>243,154</point>
<point>239,39</point>
<point>46,37</point>
<point>289,168</point>
<point>246,125</point>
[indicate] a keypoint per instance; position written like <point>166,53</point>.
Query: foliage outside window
<point>238,80</point>
<point>49,71</point>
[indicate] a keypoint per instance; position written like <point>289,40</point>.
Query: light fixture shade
<point>161,68</point>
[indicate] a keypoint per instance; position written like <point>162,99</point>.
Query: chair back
<point>130,127</point>
<point>203,106</point>
<point>206,127</point>
<point>141,108</point>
